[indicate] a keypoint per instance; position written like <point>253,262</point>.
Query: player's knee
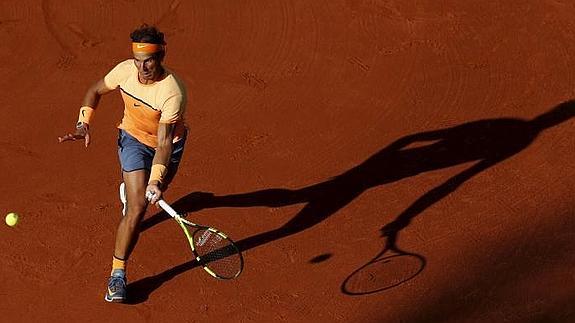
<point>134,214</point>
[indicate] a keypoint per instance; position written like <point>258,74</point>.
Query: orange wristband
<point>157,173</point>
<point>85,115</point>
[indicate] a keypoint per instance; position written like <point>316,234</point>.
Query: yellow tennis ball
<point>12,219</point>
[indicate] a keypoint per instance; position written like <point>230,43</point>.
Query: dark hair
<point>148,34</point>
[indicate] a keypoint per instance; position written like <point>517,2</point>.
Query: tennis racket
<point>213,250</point>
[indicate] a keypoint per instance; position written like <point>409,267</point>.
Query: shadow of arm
<point>433,196</point>
<point>405,141</point>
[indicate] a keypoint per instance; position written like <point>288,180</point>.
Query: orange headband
<point>146,48</point>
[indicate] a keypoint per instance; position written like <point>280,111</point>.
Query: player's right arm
<point>90,102</point>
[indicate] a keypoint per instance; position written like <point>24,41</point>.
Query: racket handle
<point>166,207</point>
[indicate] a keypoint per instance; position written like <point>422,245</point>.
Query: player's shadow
<point>487,142</point>
<point>139,291</point>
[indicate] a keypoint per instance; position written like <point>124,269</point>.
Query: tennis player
<point>151,139</point>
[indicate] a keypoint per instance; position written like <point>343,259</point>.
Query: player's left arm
<point>161,160</point>
<point>90,102</point>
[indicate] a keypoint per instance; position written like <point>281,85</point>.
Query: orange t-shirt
<point>148,105</point>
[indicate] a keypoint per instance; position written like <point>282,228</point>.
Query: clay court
<point>376,161</point>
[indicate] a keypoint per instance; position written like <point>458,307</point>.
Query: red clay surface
<point>310,127</point>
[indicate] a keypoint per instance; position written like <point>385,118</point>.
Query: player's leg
<point>135,159</point>
<point>128,229</point>
<point>127,233</point>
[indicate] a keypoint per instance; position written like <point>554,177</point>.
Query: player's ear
<point>160,55</point>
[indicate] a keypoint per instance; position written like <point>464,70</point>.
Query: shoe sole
<point>114,299</point>
<point>123,198</point>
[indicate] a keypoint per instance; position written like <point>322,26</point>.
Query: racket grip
<point>166,207</point>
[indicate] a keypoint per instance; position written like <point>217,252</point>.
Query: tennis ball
<point>12,219</point>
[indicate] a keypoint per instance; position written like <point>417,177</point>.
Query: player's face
<point>148,65</point>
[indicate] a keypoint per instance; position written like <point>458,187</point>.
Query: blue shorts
<point>134,155</point>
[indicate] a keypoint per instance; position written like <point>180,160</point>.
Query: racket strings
<point>218,253</point>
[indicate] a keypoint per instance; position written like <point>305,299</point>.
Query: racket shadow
<point>383,273</point>
<point>390,268</point>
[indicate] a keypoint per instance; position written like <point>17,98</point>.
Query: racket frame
<point>184,223</point>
